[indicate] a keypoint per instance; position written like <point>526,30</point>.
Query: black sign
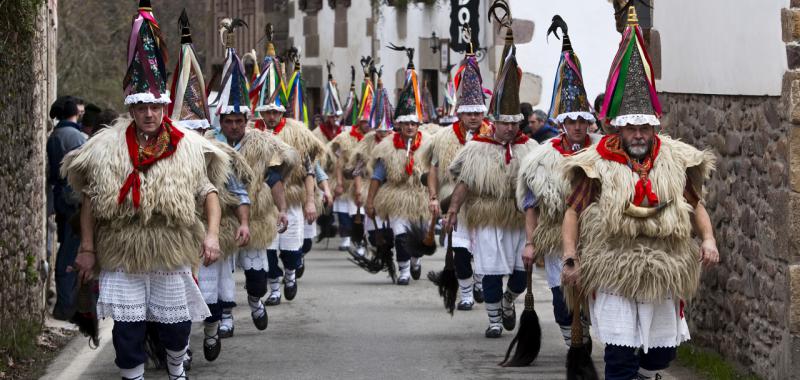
<point>463,12</point>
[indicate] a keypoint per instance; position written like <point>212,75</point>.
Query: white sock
<point>566,332</point>
<point>135,373</point>
<point>256,307</point>
<point>508,302</point>
<point>290,277</point>
<point>175,364</point>
<point>405,268</point>
<point>227,319</point>
<point>478,281</point>
<point>416,262</point>
<point>275,286</point>
<point>466,289</point>
<point>345,241</point>
<point>646,373</point>
<point>493,310</point>
<point>211,331</point>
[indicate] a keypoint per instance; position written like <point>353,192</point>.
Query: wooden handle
<point>577,327</point>
<point>430,236</point>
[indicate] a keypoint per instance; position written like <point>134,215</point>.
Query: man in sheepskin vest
<point>485,172</point>
<point>143,181</point>
<point>470,109</point>
<point>299,182</point>
<point>542,187</point>
<point>627,234</point>
<point>396,193</point>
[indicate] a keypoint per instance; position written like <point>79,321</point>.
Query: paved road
<point>348,324</point>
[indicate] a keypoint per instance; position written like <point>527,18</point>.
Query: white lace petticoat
<point>156,296</point>
<point>216,281</point>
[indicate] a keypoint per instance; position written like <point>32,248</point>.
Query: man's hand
<point>310,212</point>
<point>529,255</point>
<point>283,222</point>
<point>210,250</point>
<point>338,190</point>
<point>243,235</point>
<point>433,206</point>
<point>357,198</point>
<point>370,210</point>
<point>450,221</point>
<point>709,254</point>
<point>327,198</point>
<point>84,264</point>
<point>571,270</point>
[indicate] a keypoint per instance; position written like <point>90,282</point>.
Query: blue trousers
<point>129,337</point>
<point>462,259</point>
<point>622,363</point>
<point>307,243</point>
<point>67,251</point>
<point>256,281</point>
<point>345,223</point>
<point>401,253</point>
<point>290,259</point>
<point>562,314</point>
<point>493,285</point>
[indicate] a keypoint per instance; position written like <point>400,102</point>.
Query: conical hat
<point>569,99</point>
<point>189,103</point>
<point>234,86</point>
<point>146,78</point>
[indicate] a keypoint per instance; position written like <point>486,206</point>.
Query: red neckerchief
<point>355,133</point>
<point>457,130</point>
<point>260,125</point>
<point>279,127</point>
<point>141,162</point>
<point>610,148</point>
<point>330,131</point>
<point>520,138</point>
<point>399,143</point>
<point>378,139</point>
<point>561,143</point>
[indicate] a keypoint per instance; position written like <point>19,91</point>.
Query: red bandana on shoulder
<point>355,133</point>
<point>261,125</point>
<point>400,144</point>
<point>610,148</point>
<point>520,138</point>
<point>143,157</point>
<point>561,144</point>
<point>330,131</point>
<point>457,130</point>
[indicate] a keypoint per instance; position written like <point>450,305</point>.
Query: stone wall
<point>742,306</point>
<point>26,69</point>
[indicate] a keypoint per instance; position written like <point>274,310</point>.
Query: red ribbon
<point>330,131</point>
<point>133,182</point>
<point>399,143</point>
<point>457,130</point>
<point>560,144</point>
<point>520,138</point>
<point>355,133</point>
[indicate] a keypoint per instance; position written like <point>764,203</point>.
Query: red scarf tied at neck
<point>399,143</point>
<point>520,138</point>
<point>562,145</point>
<point>330,131</point>
<point>610,148</point>
<point>142,158</point>
<point>355,133</point>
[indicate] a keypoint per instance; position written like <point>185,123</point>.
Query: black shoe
<point>465,305</point>
<point>300,270</point>
<point>416,271</point>
<point>402,281</point>
<point>211,350</point>
<point>510,321</point>
<point>225,333</point>
<point>262,321</point>
<point>477,293</point>
<point>273,300</point>
<point>290,290</point>
<point>493,332</point>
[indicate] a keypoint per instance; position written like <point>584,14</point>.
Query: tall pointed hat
<point>504,106</point>
<point>382,113</point>
<point>268,92</point>
<point>468,80</point>
<point>350,113</point>
<point>146,78</point>
<point>449,105</point>
<point>188,90</point>
<point>297,106</point>
<point>367,90</point>
<point>569,95</point>
<point>232,97</point>
<point>331,106</point>
<point>409,104</point>
<point>630,96</point>
<point>428,107</point>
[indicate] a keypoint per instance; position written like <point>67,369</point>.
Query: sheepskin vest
<point>308,147</point>
<point>166,231</point>
<point>339,151</point>
<point>229,223</point>
<point>490,201</point>
<point>542,173</point>
<point>430,128</point>
<point>402,195</point>
<point>361,156</point>
<point>443,150</point>
<point>646,259</point>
